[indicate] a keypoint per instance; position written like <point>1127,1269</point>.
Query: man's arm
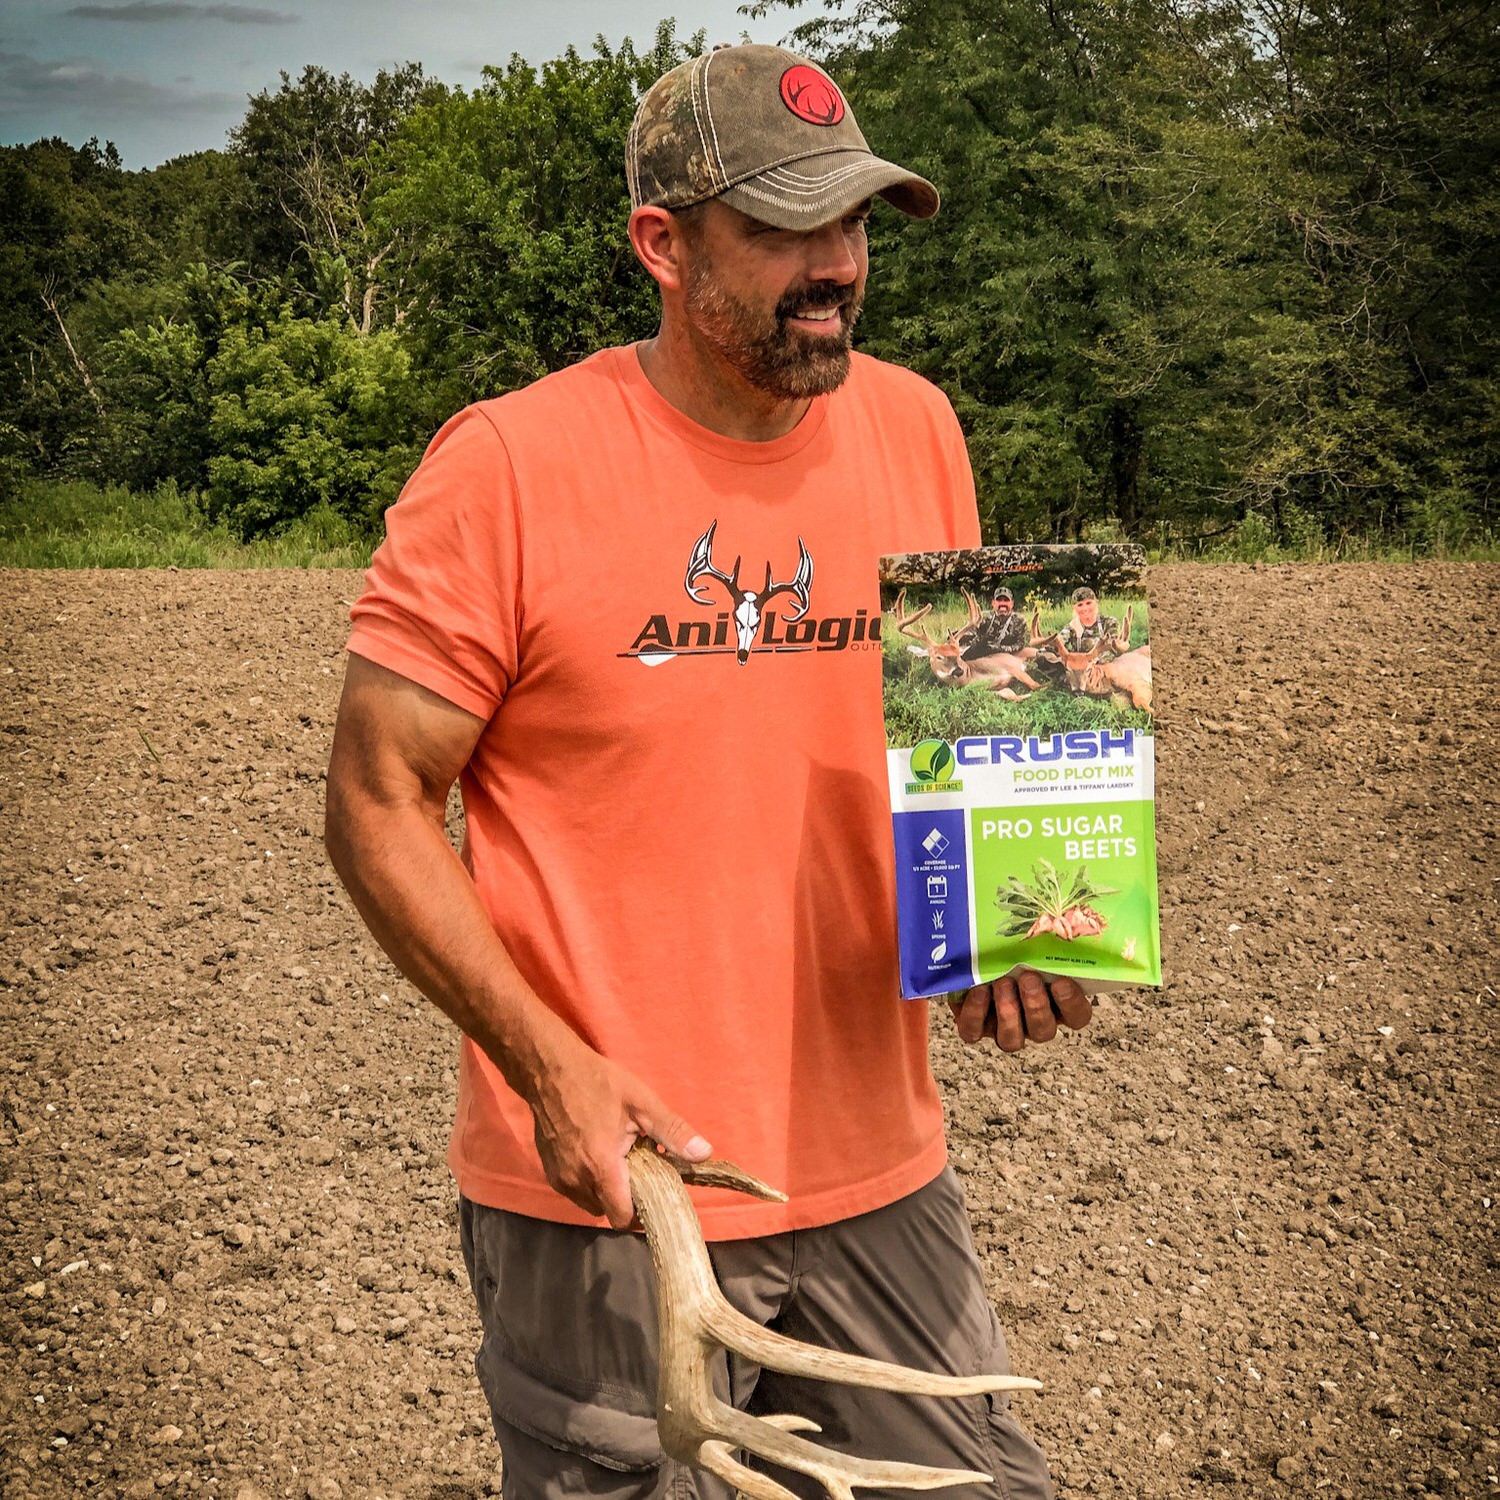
<point>397,750</point>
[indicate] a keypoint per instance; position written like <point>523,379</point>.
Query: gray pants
<point>568,1357</point>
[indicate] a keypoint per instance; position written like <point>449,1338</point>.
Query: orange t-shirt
<point>689,857</point>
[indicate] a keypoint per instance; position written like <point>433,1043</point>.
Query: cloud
<point>31,84</point>
<point>174,10</point>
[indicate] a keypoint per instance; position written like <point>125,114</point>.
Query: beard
<point>762,347</point>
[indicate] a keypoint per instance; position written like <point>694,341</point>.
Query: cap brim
<point>816,189</point>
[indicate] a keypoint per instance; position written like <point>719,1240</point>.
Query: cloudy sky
<point>162,77</point>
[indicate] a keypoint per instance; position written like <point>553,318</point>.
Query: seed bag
<point>1019,751</point>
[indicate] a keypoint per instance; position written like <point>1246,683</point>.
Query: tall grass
<point>1433,537</point>
<point>46,523</point>
<point>917,708</point>
<point>71,523</point>
<point>1344,549</point>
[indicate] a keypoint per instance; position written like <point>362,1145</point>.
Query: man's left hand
<point>1020,1008</point>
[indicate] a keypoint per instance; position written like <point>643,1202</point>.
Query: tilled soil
<point>1242,1228</point>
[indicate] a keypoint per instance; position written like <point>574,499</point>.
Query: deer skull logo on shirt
<point>749,605</point>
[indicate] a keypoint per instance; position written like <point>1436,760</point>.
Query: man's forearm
<point>415,896</point>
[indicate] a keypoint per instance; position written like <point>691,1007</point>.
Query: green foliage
<point>1216,278</point>
<point>1047,893</point>
<point>305,156</point>
<point>76,524</point>
<point>65,227</point>
<point>305,414</point>
<point>1083,292</point>
<point>1194,263</point>
<point>917,707</point>
<point>184,211</point>
<point>514,201</point>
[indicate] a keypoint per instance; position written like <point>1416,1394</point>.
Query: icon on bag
<point>935,844</point>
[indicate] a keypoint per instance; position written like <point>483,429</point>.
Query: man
<point>674,914</point>
<point>1000,630</point>
<point>1087,625</point>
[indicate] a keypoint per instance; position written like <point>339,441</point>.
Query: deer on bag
<point>1125,671</point>
<point>946,657</point>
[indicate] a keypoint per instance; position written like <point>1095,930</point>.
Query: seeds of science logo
<point>932,765</point>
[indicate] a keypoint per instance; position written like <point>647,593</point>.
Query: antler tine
<point>696,1320</point>
<point>724,1174</point>
<point>731,1328</point>
<point>773,1438</point>
<point>798,585</point>
<point>904,621</point>
<point>701,563</point>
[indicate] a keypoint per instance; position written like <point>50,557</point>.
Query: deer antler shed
<point>700,1429</point>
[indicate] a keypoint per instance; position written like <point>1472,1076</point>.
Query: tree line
<point>1204,267</point>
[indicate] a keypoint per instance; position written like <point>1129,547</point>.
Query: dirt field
<point>1243,1228</point>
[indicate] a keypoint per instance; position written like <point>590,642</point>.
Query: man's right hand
<point>588,1113</point>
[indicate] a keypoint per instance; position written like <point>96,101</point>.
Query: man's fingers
<point>586,1125</point>
<point>614,1193</point>
<point>972,1014</point>
<point>651,1118</point>
<point>573,1184</point>
<point>1073,1007</point>
<point>1020,1008</point>
<point>654,1119</point>
<point>1036,1004</point>
<point>1010,1032</point>
<point>601,1187</point>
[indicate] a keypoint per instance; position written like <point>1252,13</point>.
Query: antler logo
<point>748,604</point>
<point>810,96</point>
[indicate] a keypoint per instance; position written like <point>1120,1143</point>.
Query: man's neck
<point>702,386</point>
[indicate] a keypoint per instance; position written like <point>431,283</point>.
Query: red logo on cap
<point>810,96</point>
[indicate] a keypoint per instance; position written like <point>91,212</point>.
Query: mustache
<point>816,294</point>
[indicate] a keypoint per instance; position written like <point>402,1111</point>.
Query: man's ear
<point>658,241</point>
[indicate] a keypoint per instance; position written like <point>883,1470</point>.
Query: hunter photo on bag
<point>1020,638</point>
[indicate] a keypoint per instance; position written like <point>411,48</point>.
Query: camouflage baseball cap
<point>1079,595</point>
<point>767,132</point>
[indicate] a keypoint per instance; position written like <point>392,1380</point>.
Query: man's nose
<point>832,254</point>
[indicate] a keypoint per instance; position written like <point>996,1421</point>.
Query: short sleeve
<point>442,594</point>
<point>961,481</point>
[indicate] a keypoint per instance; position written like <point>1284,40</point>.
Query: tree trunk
<point>1125,454</point>
<point>50,304</point>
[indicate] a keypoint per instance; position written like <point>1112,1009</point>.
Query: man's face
<point>1002,606</point>
<point>779,305</point>
<point>1087,611</point>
